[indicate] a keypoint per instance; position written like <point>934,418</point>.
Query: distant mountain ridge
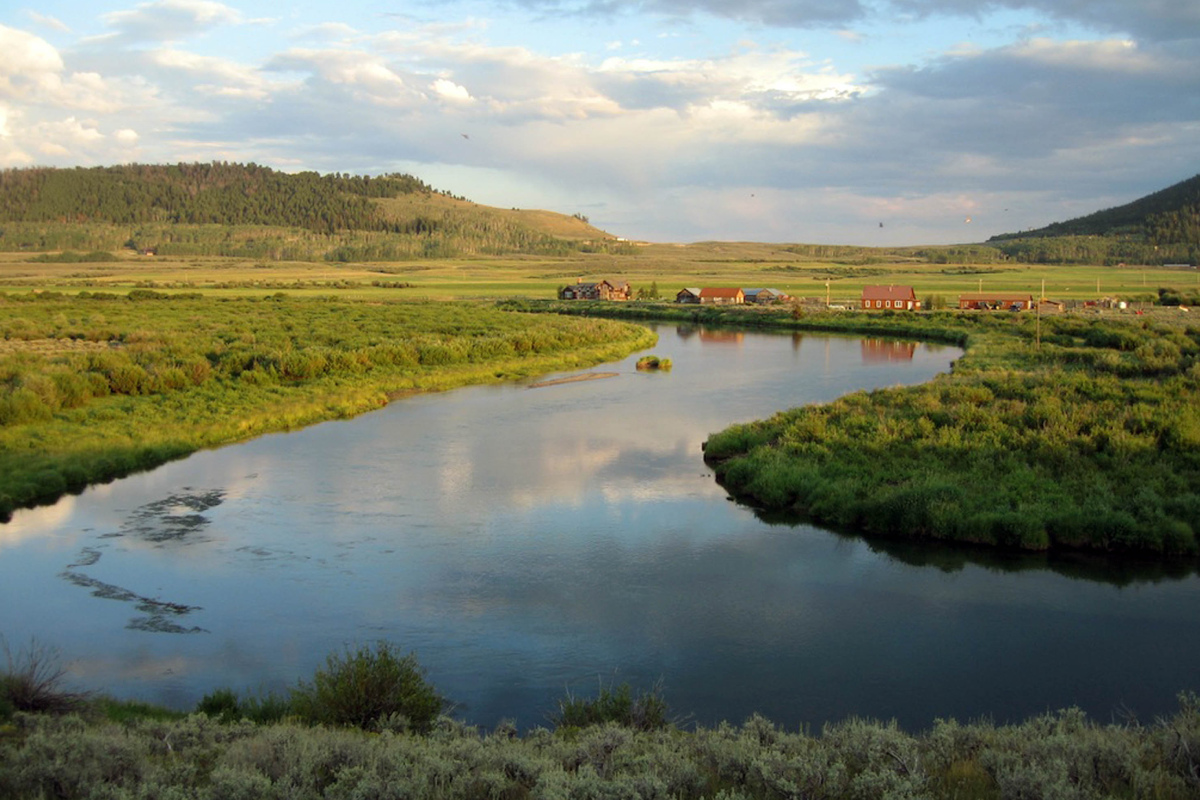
<point>1168,216</point>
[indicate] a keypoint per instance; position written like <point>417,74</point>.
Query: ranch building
<point>765,296</point>
<point>722,296</point>
<point>602,290</point>
<point>899,298</point>
<point>996,302</point>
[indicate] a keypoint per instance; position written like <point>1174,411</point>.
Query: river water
<point>528,541</point>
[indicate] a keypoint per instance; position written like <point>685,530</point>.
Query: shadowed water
<point>525,541</point>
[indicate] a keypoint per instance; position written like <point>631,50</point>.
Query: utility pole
<point>1037,328</point>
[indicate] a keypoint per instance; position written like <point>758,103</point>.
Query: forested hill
<point>251,211</point>
<point>1169,216</point>
<point>220,193</point>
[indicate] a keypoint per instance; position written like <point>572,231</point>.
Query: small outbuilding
<point>996,302</point>
<point>898,298</point>
<point>688,295</point>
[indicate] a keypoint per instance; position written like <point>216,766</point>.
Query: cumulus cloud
<point>27,60</point>
<point>449,90</point>
<point>33,71</point>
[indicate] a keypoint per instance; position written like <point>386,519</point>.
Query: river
<point>528,541</point>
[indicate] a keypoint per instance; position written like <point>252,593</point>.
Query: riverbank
<point>1063,432</point>
<point>1061,755</point>
<point>163,376</point>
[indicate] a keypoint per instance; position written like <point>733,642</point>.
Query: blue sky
<point>879,122</point>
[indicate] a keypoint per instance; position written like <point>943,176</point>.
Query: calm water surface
<point>526,541</point>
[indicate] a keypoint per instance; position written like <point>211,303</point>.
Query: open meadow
<point>818,273</point>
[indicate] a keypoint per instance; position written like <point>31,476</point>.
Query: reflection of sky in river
<point>523,540</point>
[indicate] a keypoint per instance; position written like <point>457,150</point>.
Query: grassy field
<point>833,274</point>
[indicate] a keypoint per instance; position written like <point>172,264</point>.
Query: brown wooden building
<point>898,298</point>
<point>765,296</point>
<point>1012,301</point>
<point>722,296</point>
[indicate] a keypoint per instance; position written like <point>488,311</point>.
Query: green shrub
<point>221,704</point>
<point>645,712</point>
<point>225,706</point>
<point>653,363</point>
<point>368,687</point>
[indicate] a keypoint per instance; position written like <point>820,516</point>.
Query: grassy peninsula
<point>1083,434</point>
<point>96,385</point>
<point>1064,431</point>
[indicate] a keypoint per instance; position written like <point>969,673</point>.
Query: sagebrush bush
<point>1058,755</point>
<point>366,687</point>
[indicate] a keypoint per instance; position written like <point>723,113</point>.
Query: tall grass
<point>33,680</point>
<point>92,388</point>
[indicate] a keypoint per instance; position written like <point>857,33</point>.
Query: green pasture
<point>838,279</point>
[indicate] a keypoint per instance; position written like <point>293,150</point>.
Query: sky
<point>867,122</point>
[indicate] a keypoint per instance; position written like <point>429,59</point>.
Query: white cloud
<point>327,31</point>
<point>449,90</point>
<point>27,59</point>
<point>48,22</point>
<point>32,71</point>
<point>213,75</point>
<point>169,20</point>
